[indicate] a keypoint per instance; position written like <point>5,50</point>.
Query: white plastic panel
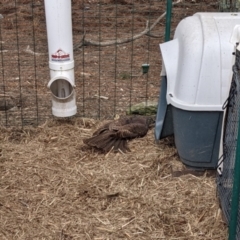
<point>198,62</point>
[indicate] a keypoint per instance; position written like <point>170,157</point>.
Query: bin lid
<point>198,61</point>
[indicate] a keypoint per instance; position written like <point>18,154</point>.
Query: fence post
<point>168,20</point>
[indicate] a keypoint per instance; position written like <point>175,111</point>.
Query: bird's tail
<point>107,141</point>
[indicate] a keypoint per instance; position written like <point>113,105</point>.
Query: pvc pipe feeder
<point>61,62</point>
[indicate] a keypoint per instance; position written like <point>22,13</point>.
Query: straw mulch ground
<point>54,187</point>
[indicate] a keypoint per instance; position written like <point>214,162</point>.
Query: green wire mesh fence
<point>227,164</point>
<point>109,79</point>
<point>229,5</point>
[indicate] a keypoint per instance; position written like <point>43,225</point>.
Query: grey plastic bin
<point>196,77</point>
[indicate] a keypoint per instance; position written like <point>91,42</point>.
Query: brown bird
<point>5,105</point>
<point>115,134</point>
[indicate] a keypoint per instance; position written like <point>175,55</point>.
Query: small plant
<point>125,75</point>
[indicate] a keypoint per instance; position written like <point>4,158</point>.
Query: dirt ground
<point>54,187</point>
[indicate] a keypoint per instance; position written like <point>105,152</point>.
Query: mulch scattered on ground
<point>54,187</point>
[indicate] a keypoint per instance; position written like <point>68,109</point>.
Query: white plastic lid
<point>198,62</point>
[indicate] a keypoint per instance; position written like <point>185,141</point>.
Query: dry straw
<point>54,187</point>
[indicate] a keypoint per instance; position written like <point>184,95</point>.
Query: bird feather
<point>115,134</point>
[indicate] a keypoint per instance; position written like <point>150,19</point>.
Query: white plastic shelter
<point>196,78</point>
<point>198,62</point>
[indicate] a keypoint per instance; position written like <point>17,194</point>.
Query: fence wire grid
<point>108,79</point>
<point>229,5</point>
<point>225,177</point>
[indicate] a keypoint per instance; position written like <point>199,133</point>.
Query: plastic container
<point>197,68</point>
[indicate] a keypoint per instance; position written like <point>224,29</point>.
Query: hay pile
<point>54,187</point>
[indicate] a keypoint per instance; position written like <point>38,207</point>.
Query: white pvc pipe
<point>61,62</point>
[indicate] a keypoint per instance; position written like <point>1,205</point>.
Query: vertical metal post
<point>162,102</point>
<point>168,20</point>
<point>235,194</point>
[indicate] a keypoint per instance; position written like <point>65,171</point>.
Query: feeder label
<point>60,55</point>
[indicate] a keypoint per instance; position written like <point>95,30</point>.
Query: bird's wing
<point>113,125</point>
<point>126,121</point>
<point>114,134</point>
<point>132,130</point>
<point>102,128</point>
<point>106,141</point>
<point>117,124</point>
